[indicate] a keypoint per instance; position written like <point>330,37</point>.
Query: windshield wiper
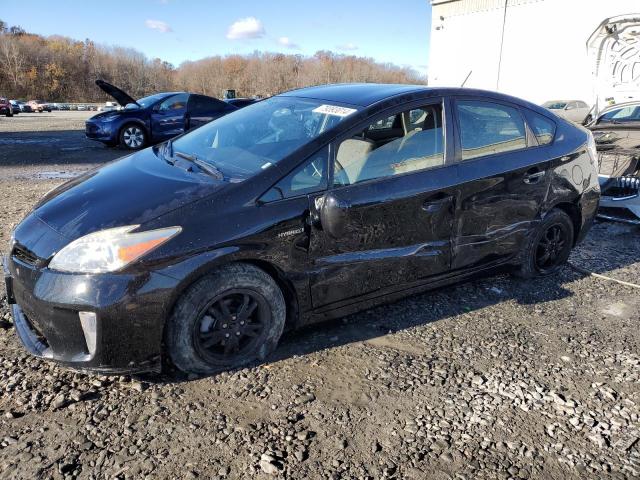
<point>206,167</point>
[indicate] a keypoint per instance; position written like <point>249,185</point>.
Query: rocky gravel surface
<point>495,378</point>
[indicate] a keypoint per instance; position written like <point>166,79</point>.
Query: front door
<point>387,220</point>
<point>167,118</point>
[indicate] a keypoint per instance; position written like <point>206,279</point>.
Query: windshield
<point>147,101</point>
<point>249,140</point>
<point>555,105</point>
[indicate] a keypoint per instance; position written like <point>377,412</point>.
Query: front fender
<point>187,271</point>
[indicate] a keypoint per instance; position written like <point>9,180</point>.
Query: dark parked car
<point>15,107</point>
<point>617,136</point>
<point>5,107</point>
<point>306,206</point>
<point>152,119</point>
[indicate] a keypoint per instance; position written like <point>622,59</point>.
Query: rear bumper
<point>121,331</point>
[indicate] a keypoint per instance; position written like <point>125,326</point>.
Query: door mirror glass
<point>405,142</point>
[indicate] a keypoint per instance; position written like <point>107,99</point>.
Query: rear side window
<point>488,128</point>
<point>309,177</point>
<point>543,128</point>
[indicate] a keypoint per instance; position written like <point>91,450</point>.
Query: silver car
<point>573,110</point>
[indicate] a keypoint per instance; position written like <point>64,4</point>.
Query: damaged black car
<point>307,206</point>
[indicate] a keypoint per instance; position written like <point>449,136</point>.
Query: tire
<point>548,249</point>
<point>132,137</point>
<point>197,332</point>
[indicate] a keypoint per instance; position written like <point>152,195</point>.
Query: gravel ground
<point>496,378</point>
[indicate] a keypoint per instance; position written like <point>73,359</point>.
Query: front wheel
<point>549,247</point>
<point>133,137</point>
<point>227,319</point>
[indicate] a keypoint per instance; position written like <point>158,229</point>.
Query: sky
<point>395,31</point>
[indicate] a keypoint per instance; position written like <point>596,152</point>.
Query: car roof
<point>361,94</point>
<point>366,94</point>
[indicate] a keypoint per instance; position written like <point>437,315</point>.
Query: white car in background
<point>573,110</point>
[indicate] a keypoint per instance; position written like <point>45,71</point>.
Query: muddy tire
<point>230,318</point>
<point>549,247</point>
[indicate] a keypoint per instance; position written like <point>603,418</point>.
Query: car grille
<point>622,187</point>
<point>24,255</point>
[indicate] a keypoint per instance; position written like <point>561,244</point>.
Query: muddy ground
<point>495,378</point>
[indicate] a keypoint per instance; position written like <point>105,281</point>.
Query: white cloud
<point>347,47</point>
<point>244,28</point>
<point>286,42</point>
<point>158,25</point>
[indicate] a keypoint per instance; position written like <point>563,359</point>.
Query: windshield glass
<point>555,105</point>
<point>249,140</point>
<point>147,101</point>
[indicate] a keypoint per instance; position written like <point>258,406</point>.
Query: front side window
<point>488,128</point>
<point>176,102</point>
<point>416,146</point>
<point>248,140</point>
<point>309,177</point>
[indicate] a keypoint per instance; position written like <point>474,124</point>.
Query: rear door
<point>387,220</point>
<point>504,178</point>
<point>168,117</point>
<point>202,109</point>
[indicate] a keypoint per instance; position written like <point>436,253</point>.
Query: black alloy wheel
<point>229,318</point>
<point>551,247</point>
<point>548,247</point>
<point>231,325</point>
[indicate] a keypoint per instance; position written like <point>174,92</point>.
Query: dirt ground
<point>495,378</point>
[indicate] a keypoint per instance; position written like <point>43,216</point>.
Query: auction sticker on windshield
<point>334,110</point>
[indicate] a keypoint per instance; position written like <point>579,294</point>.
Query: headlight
<point>110,118</point>
<point>109,250</point>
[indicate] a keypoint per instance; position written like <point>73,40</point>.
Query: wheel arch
<point>572,209</point>
<point>207,267</point>
<point>137,123</point>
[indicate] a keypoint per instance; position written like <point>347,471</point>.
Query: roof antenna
<point>467,78</point>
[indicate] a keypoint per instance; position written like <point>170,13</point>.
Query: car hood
<point>130,191</point>
<point>120,96</point>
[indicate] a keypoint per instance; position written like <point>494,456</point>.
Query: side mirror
<point>333,215</point>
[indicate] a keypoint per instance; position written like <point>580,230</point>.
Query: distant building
<point>537,49</point>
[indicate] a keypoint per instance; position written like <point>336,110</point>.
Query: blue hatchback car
<point>152,119</point>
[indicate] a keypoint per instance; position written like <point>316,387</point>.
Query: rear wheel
<point>133,137</point>
<point>227,319</point>
<point>549,248</point>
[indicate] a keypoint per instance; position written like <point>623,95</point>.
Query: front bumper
<point>624,204</point>
<point>102,132</point>
<point>129,312</point>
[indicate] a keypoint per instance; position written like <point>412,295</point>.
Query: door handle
<point>437,204</point>
<point>532,178</point>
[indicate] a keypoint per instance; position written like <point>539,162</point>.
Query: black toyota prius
<point>306,206</point>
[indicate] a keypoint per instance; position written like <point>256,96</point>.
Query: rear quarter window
<point>542,127</point>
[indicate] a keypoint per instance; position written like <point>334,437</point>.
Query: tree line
<point>58,68</point>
